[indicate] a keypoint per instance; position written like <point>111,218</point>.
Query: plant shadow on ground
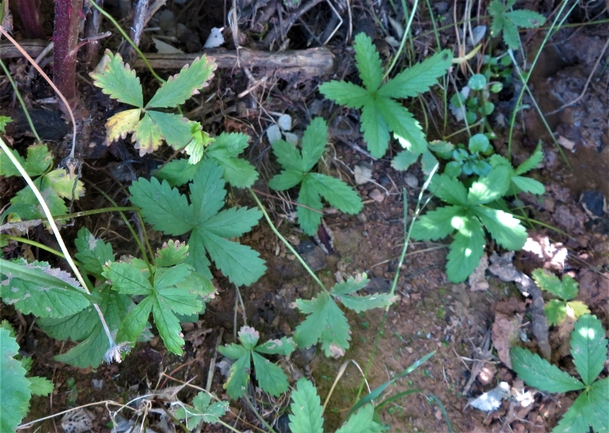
<point>431,314</point>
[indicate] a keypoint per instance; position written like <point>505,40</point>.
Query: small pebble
<point>376,195</point>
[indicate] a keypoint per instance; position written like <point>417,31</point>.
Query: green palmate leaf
<point>39,289</point>
<point>465,250</point>
<point>588,347</point>
<point>296,166</point>
<point>203,411</point>
<point>507,21</point>
<point>118,81</point>
<point>306,416</point>
<point>92,253</point>
<point>225,150</point>
<point>419,78</point>
<point>566,289</point>
<point>177,89</point>
<point>588,410</point>
<point>362,422</point>
<point>344,291</point>
<point>326,323</point>
<point>503,227</point>
<point>270,377</point>
<point>539,373</point>
<point>437,224</point>
<point>368,62</point>
<point>15,394</point>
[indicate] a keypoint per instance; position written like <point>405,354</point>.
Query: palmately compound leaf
<point>225,150</point>
<point>507,22</point>
<point>588,410</point>
<point>177,89</point>
<point>362,422</point>
<point>539,373</point>
<point>296,169</point>
<point>211,227</point>
<point>15,394</point>
<point>380,112</point>
<point>326,323</point>
<point>202,411</point>
<point>117,80</point>
<point>39,289</point>
<point>270,377</point>
<point>588,347</point>
<point>306,416</point>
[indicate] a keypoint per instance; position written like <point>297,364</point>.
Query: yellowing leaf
<point>63,184</point>
<point>121,124</point>
<point>147,136</point>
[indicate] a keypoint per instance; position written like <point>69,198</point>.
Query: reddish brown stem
<point>65,37</point>
<point>30,15</point>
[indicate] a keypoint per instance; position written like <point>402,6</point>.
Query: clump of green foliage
<point>381,112</point>
<point>296,169</point>
<point>269,376</point>
<point>566,290</point>
<point>589,351</point>
<point>507,22</point>
<point>55,185</point>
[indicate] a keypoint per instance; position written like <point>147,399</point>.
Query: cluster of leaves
<point>210,228</point>
<point>307,413</point>
<point>589,351</point>
<point>326,322</point>
<point>297,166</point>
<point>557,310</point>
<point>201,411</point>
<point>473,101</point>
<point>148,125</point>
<point>381,113</point>
<point>55,185</point>
<point>17,389</point>
<point>507,22</point>
<point>269,376</point>
<point>467,162</point>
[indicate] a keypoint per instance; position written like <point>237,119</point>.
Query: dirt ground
<point>465,324</point>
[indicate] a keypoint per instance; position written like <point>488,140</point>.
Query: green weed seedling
<point>466,162</point>
<point>55,185</point>
<point>507,22</point>
<point>297,166</point>
<point>589,351</point>
<point>269,376</point>
<point>566,290</point>
<point>381,112</point>
<point>468,210</point>
<point>473,103</point>
<point>210,228</point>
<point>307,413</point>
<point>17,389</point>
<point>150,126</point>
<point>202,411</point>
<point>326,322</point>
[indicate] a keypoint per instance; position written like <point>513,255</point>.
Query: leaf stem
<point>286,243</point>
<point>404,37</point>
<point>34,244</point>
